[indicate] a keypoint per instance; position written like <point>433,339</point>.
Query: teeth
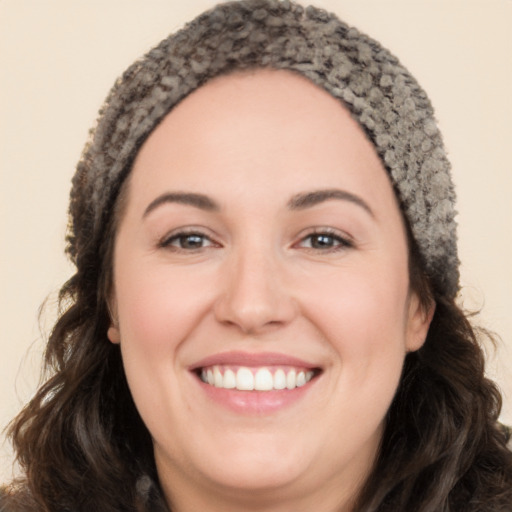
<point>229,379</point>
<point>263,380</point>
<point>291,379</point>
<point>279,379</point>
<point>218,380</point>
<point>249,379</point>
<point>244,379</point>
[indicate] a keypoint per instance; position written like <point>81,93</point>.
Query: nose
<point>253,296</point>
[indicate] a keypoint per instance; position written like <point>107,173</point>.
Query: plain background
<point>59,58</point>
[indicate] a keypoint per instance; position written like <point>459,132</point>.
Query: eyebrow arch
<point>189,198</point>
<point>309,199</point>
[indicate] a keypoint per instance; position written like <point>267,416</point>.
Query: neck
<point>260,501</point>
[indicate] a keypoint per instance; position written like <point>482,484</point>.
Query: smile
<point>246,378</point>
<point>255,383</point>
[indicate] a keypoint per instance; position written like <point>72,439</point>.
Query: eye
<point>187,241</point>
<point>325,240</point>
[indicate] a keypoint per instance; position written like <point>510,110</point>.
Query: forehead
<point>257,129</point>
<point>258,98</point>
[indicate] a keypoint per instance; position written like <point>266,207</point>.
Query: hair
<point>82,445</point>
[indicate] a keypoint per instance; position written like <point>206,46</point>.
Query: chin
<point>247,462</point>
<point>263,475</point>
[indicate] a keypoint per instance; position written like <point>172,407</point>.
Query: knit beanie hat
<point>390,106</point>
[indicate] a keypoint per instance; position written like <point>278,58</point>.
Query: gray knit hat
<point>382,96</point>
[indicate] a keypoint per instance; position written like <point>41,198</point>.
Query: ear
<point>113,333</point>
<point>418,322</point>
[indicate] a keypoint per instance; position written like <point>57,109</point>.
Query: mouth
<point>255,383</point>
<point>246,378</point>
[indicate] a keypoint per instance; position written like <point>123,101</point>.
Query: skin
<point>258,281</point>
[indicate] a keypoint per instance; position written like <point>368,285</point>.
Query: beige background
<point>60,57</point>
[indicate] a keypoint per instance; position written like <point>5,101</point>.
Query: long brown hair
<point>80,441</point>
<point>443,449</point>
<point>83,446</point>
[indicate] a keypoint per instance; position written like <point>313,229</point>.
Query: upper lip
<point>238,358</point>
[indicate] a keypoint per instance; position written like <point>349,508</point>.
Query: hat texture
<point>390,106</point>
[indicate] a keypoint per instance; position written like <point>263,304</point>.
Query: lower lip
<point>256,402</point>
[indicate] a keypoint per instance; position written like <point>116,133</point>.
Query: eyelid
<point>344,240</point>
<point>166,241</point>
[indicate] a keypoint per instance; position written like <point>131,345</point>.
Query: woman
<point>263,313</point>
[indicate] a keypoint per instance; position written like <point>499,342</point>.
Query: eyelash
<point>181,236</point>
<point>337,241</point>
<point>332,240</point>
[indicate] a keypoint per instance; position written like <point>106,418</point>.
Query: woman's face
<point>261,246</point>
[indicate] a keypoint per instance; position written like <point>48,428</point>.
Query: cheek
<point>157,309</point>
<point>362,317</point>
<point>157,306</point>
<point>361,300</point>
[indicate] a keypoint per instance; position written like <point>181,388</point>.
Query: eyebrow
<point>189,198</point>
<point>309,199</point>
<point>297,202</point>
